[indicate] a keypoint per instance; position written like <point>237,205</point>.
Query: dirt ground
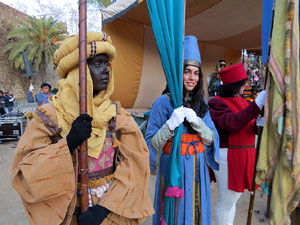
<point>12,212</point>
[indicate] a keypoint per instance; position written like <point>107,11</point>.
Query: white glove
<point>176,118</point>
<point>260,121</point>
<point>31,87</point>
<point>191,116</point>
<point>198,125</point>
<point>260,99</point>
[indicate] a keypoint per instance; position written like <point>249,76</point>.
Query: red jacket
<point>234,119</point>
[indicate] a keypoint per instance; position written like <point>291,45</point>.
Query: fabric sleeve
<point>162,136</point>
<point>127,197</point>
<point>204,132</point>
<point>161,111</point>
<point>43,175</point>
<point>12,99</point>
<point>30,97</point>
<point>212,151</point>
<point>6,99</point>
<point>226,120</point>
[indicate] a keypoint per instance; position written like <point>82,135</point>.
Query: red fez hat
<point>233,74</point>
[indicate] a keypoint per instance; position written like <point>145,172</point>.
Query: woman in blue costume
<point>199,144</point>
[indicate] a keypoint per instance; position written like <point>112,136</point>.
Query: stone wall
<point>10,78</point>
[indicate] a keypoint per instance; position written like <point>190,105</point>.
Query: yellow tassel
<point>29,115</point>
<point>100,182</point>
<point>43,111</point>
<point>116,143</point>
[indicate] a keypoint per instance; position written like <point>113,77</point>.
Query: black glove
<point>94,216</point>
<point>81,130</point>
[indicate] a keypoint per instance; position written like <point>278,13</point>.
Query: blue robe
<point>40,98</point>
<point>161,111</point>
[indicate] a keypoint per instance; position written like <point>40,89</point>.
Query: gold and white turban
<point>66,101</point>
<point>67,56</point>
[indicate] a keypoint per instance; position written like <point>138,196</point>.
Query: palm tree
<point>38,37</point>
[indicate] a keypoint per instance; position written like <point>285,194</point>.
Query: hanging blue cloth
<point>167,18</point>
<point>266,28</point>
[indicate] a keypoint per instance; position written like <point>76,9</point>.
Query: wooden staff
<point>253,186</point>
<point>83,104</point>
<point>35,103</point>
<point>260,130</point>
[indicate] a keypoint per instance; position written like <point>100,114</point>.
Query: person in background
<point>235,119</point>
<point>221,64</point>
<point>40,98</point>
<point>6,97</point>
<point>9,102</point>
<point>45,170</point>
<point>199,143</point>
<point>214,80</point>
<point>2,103</point>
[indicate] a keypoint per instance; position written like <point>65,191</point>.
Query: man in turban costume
<point>45,166</point>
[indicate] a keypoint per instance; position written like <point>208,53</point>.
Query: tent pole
<point>83,103</point>
<point>260,130</point>
<point>253,186</point>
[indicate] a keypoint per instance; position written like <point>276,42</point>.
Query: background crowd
<point>6,102</point>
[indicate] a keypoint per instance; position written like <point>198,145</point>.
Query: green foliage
<point>101,3</point>
<point>54,91</point>
<point>38,37</point>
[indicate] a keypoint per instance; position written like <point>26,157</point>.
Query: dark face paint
<point>98,67</point>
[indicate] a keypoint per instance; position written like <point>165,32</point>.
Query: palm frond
<point>19,63</point>
<point>38,60</point>
<point>37,37</point>
<point>18,49</point>
<point>8,47</point>
<point>32,52</point>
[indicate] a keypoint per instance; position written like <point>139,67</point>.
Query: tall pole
<point>83,104</point>
<point>253,185</point>
<point>259,135</point>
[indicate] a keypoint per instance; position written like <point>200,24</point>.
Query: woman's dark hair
<point>230,90</point>
<point>196,102</point>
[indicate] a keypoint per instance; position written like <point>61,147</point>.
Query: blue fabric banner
<point>266,28</point>
<point>167,18</point>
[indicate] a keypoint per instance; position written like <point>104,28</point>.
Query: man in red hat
<point>236,120</point>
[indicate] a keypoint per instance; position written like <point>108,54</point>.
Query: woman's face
<point>242,89</point>
<point>190,77</point>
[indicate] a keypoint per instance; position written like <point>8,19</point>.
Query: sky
<point>69,14</point>
<point>30,4</point>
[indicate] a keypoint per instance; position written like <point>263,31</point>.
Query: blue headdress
<point>191,51</point>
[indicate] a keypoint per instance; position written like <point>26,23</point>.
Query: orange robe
<point>45,175</point>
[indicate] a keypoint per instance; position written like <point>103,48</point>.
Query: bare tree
<point>19,6</point>
<point>67,12</point>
